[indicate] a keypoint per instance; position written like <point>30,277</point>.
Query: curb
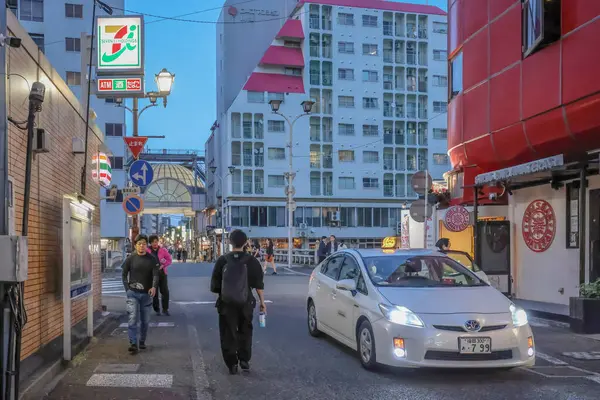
<point>544,322</point>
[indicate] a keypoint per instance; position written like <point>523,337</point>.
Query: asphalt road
<point>184,360</point>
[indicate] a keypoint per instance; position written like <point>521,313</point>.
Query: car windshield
<point>419,271</point>
<point>464,259</point>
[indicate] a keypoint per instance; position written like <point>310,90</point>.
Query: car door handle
<point>356,305</point>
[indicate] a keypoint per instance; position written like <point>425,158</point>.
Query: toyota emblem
<point>472,326</point>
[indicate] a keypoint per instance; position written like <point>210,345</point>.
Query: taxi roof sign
<point>389,243</point>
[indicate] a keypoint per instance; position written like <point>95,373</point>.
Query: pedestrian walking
<point>140,278</point>
<point>164,259</point>
<point>332,246</point>
<point>322,250</point>
<point>443,244</point>
<point>234,276</point>
<point>270,257</point>
<point>184,254</point>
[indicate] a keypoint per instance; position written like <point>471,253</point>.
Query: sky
<point>188,50</point>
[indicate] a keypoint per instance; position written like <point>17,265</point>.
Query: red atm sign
<point>120,87</point>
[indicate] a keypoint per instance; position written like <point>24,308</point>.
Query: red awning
<point>292,29</point>
<point>280,55</point>
<point>381,5</point>
<point>274,83</point>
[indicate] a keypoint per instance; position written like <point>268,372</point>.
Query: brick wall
<point>54,175</point>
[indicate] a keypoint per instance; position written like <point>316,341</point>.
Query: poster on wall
<point>404,231</point>
<point>77,247</point>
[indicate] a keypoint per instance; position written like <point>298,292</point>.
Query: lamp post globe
<point>164,81</point>
<point>307,105</point>
<point>275,104</point>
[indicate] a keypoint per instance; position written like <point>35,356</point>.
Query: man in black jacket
<point>322,250</point>
<point>140,278</point>
<point>235,321</point>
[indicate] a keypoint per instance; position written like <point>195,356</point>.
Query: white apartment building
<point>377,71</point>
<point>56,26</point>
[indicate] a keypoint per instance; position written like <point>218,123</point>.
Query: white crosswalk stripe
<point>113,287</point>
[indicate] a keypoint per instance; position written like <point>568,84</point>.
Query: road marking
<point>187,303</point>
<point>594,378</point>
<point>117,368</point>
<point>153,325</point>
<point>131,380</point>
<point>583,355</point>
<point>294,272</point>
<point>550,359</point>
<point>199,368</point>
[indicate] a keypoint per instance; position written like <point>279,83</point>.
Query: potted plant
<point>585,309</point>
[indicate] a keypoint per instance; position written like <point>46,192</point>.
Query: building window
<point>370,183</point>
<point>73,45</point>
<point>439,133</point>
<point>289,43</point>
<point>440,27</point>
<point>346,155</point>
<point>440,80</point>
<point>73,10</point>
<point>440,55</point>
<point>370,76</point>
<point>370,49</point>
<point>293,71</point>
<point>111,129</point>
<point>369,20</point>
<point>346,101</point>
<point>276,153</point>
<point>456,71</point>
<point>116,162</point>
<point>440,106</point>
<point>258,216</point>
<point>440,159</point>
<point>276,126</point>
<point>13,6</point>
<point>276,181</point>
<point>346,183</point>
<point>38,39</point>
<point>370,130</point>
<point>541,24</point>
<point>370,102</point>
<point>275,96</point>
<point>345,19</point>
<point>32,10</point>
<point>346,47</point>
<point>370,157</point>
<point>73,78</point>
<point>239,216</point>
<point>346,74</point>
<point>256,97</point>
<point>346,129</point>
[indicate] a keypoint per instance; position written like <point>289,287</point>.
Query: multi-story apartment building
<point>377,72</point>
<point>56,27</point>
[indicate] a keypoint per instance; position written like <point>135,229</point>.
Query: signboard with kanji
<point>136,144</point>
<point>120,87</point>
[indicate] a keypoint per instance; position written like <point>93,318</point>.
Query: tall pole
<point>290,198</point>
<point>135,229</point>
<point>222,215</point>
<point>425,211</point>
<point>87,103</point>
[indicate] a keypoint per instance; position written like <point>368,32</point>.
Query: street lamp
<point>213,170</point>
<point>307,108</point>
<point>164,81</point>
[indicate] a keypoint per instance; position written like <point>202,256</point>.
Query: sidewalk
<point>106,370</point>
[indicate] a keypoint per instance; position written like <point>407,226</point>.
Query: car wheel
<point>312,320</point>
<point>366,346</point>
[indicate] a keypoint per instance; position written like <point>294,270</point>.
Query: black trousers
<point>321,258</point>
<point>235,331</point>
<point>163,288</point>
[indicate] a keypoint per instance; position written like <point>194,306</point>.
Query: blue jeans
<point>138,309</point>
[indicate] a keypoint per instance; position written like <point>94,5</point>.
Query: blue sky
<point>187,50</point>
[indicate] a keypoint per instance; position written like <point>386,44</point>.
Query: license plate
<point>475,345</point>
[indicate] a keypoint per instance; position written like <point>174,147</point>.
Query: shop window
<point>541,24</point>
<point>573,215</point>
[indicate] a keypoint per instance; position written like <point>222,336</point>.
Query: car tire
<point>313,328</point>
<point>366,346</point>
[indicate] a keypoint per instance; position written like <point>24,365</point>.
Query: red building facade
<point>523,84</point>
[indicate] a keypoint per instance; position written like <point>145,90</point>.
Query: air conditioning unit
<point>334,216</point>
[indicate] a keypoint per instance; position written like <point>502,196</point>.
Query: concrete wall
<point>53,175</point>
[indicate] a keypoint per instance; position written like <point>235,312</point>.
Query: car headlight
<point>400,315</point>
<point>519,316</point>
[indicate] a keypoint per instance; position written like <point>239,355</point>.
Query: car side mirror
<point>346,284</point>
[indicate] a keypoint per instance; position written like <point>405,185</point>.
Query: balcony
<point>423,113</point>
<point>388,28</point>
<point>327,161</point>
<point>423,139</point>
<point>399,137</point>
<point>247,160</point>
<point>388,85</point>
<point>411,59</point>
<point>388,190</point>
<point>411,114</point>
<point>399,112</point>
<point>259,160</point>
<point>422,32</point>
<point>388,137</point>
<point>411,139</point>
<point>315,78</point>
<point>411,162</point>
<point>387,111</point>
<point>247,187</point>
<point>422,86</point>
<point>327,52</point>
<point>327,79</point>
<point>314,50</point>
<point>314,22</point>
<point>388,163</point>
<point>399,57</point>
<point>422,164</point>
<point>388,56</point>
<point>236,159</point>
<point>400,164</point>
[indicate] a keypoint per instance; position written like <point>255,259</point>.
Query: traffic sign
<point>136,144</point>
<point>141,173</point>
<point>133,204</point>
<point>421,182</point>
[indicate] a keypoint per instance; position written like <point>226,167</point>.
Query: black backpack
<point>234,285</point>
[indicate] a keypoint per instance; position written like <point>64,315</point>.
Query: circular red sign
<point>457,219</point>
<point>232,11</point>
<point>539,226</point>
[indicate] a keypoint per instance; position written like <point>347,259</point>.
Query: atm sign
<point>120,85</point>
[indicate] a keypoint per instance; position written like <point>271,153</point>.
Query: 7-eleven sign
<point>136,144</point>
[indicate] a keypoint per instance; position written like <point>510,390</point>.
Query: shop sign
<point>120,44</point>
<point>545,164</point>
<point>101,169</point>
<point>404,230</point>
<point>457,219</point>
<point>539,226</point>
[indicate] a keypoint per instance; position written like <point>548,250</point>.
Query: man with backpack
<point>234,276</point>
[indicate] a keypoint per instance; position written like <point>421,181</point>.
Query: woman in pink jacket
<point>164,258</point>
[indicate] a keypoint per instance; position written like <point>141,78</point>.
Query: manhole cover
<point>559,372</point>
<point>583,355</point>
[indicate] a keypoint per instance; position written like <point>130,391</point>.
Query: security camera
<point>10,40</point>
<point>37,93</point>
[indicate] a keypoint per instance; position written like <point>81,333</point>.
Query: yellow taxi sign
<point>389,243</point>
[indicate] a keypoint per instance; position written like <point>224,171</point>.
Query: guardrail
<point>306,257</point>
